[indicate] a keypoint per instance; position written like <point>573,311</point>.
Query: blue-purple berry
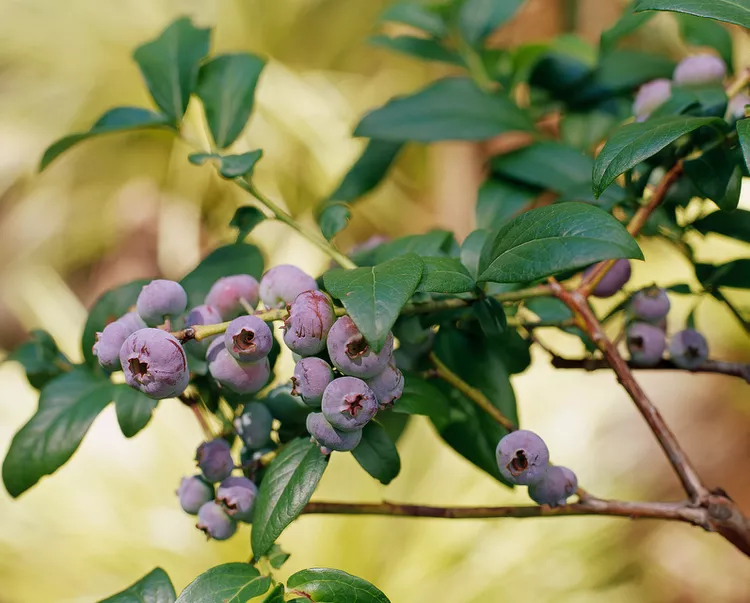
<point>282,284</point>
<point>736,106</point>
<point>159,300</point>
<point>646,343</point>
<point>214,459</point>
<point>650,304</point>
<point>109,341</point>
<point>522,457</point>
<point>228,293</point>
<point>348,403</point>
<point>688,349</point>
<point>650,97</point>
<point>202,315</point>
<point>214,522</point>
<point>700,70</point>
<point>132,321</point>
<point>254,425</point>
<point>556,486</point>
<point>311,316</point>
<point>311,377</point>
<point>154,363</point>
<point>613,280</point>
<point>239,377</point>
<point>236,495</point>
<point>388,385</point>
<point>329,438</point>
<point>248,339</point>
<point>193,493</point>
<point>352,355</point>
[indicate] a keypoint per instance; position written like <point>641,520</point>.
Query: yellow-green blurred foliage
<point>128,206</point>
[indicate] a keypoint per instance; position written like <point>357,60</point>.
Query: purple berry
<point>240,377</point>
<point>311,316</point>
<point>646,343</point>
<point>311,377</point>
<point>193,493</point>
<point>613,281</point>
<point>352,355</point>
<point>688,349</point>
<point>556,486</point>
<point>281,284</point>
<point>388,385</point>
<point>736,106</point>
<point>214,458</point>
<point>650,97</point>
<point>328,438</point>
<point>700,70</point>
<point>227,293</point>
<point>522,457</point>
<point>348,403</point>
<point>154,363</point>
<point>248,339</point>
<point>132,321</point>
<point>237,495</point>
<point>109,341</point>
<point>161,299</point>
<point>213,520</point>
<point>650,304</point>
<point>254,425</point>
<point>202,315</point>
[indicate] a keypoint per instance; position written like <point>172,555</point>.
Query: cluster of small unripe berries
<point>523,459</point>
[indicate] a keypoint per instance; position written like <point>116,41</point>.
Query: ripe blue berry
<point>202,315</point>
<point>214,458</point>
<point>159,300</point>
<point>240,377</point>
<point>650,304</point>
<point>348,403</point>
<point>388,385</point>
<point>522,457</point>
<point>214,522</point>
<point>699,70</point>
<point>281,284</point>
<point>646,343</point>
<point>254,425</point>
<point>311,377</point>
<point>328,438</point>
<point>154,363</point>
<point>226,295</point>
<point>688,349</point>
<point>108,344</point>
<point>310,318</point>
<point>193,493</point>
<point>352,355</point>
<point>132,321</point>
<point>613,281</point>
<point>237,495</point>
<point>650,97</point>
<point>248,339</point>
<point>556,486</point>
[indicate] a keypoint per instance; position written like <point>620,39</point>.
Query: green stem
<point>476,67</point>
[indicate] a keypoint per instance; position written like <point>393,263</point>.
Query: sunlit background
<point>129,206</point>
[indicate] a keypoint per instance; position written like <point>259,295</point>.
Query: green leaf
<point>237,258</point>
<point>374,296</point>
<point>333,219</point>
<point>277,556</point>
<point>445,275</point>
<point>68,406</point>
<point>276,595</point>
<point>621,70</point>
<point>40,357</point>
<point>635,142</point>
<point>377,454</point>
<point>624,26</point>
<point>226,86</point>
<point>730,11</point>
<point>500,201</point>
<point>735,225</point>
<point>227,583</point>
<point>426,49</point>
<point>421,397</point>
<point>449,109</point>
<point>154,587</point>
<point>712,174</point>
<point>431,243</point>
<point>477,19</point>
<point>471,251</point>
<point>491,316</point>
<point>415,15</point>
<point>734,274</point>
<point>230,166</point>
<point>133,409</point>
<point>245,219</point>
<point>334,586</point>
<point>368,170</point>
<point>556,238</point>
<point>119,119</point>
<point>287,486</point>
<point>743,131</point>
<point>704,32</point>
<point>169,65</point>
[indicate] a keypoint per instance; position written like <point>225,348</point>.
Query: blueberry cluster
<point>523,460</point>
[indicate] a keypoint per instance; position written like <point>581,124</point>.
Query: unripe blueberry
<point>650,304</point>
<point>736,106</point>
<point>226,295</point>
<point>688,349</point>
<point>281,284</point>
<point>522,457</point>
<point>388,385</point>
<point>310,318</point>
<point>352,355</point>
<point>108,345</point>
<point>329,438</point>
<point>248,339</point>
<point>214,522</point>
<point>193,493</point>
<point>556,486</point>
<point>311,377</point>
<point>650,97</point>
<point>699,70</point>
<point>348,403</point>
<point>202,315</point>
<point>613,281</point>
<point>254,425</point>
<point>646,343</point>
<point>237,495</point>
<point>214,458</point>
<point>161,299</point>
<point>154,363</point>
<point>240,377</point>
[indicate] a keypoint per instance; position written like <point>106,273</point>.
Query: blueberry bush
<point>622,142</point>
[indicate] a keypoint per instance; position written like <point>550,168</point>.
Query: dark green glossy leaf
<point>154,587</point>
<point>735,274</point>
<point>377,454</point>
<point>227,583</point>
<point>40,357</point>
<point>368,170</point>
<point>730,11</point>
<point>333,219</point>
<point>334,586</point>
<point>288,409</point>
<point>491,317</point>
<point>133,408</point>
<point>735,224</point>
<point>710,173</point>
<point>680,101</point>
<point>276,595</point>
<point>731,198</point>
<point>500,201</point>
<point>230,166</point>
<point>743,131</point>
<point>426,49</point>
<point>705,32</point>
<point>445,275</point>
<point>245,219</point>
<point>411,13</point>
<point>277,556</point>
<point>394,423</point>
<point>680,288</point>
<point>421,397</point>
<point>477,19</point>
<point>471,251</point>
<point>628,23</point>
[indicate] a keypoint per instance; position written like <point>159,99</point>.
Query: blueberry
<point>556,486</point>
<point>352,355</point>
<point>328,438</point>
<point>311,377</point>
<point>193,493</point>
<point>159,300</point>
<point>227,293</point>
<point>699,70</point>
<point>281,284</point>
<point>650,304</point>
<point>650,97</point>
<point>646,343</point>
<point>311,316</point>
<point>348,403</point>
<point>132,321</point>
<point>239,377</point>
<point>254,425</point>
<point>688,349</point>
<point>214,522</point>
<point>613,281</point>
<point>388,385</point>
<point>214,458</point>
<point>154,363</point>
<point>522,457</point>
<point>237,495</point>
<point>202,315</point>
<point>736,106</point>
<point>108,345</point>
<point>248,339</point>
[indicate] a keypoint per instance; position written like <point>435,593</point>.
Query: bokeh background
<point>129,206</point>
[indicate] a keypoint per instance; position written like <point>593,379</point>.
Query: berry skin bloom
<point>193,493</point>
<point>650,304</point>
<point>329,438</point>
<point>282,284</point>
<point>159,300</point>
<point>349,404</point>
<point>214,458</point>
<point>236,495</point>
<point>202,315</point>
<point>154,363</point>
<point>311,317</point>
<point>613,281</point>
<point>109,341</point>
<point>688,349</point>
<point>352,355</point>
<point>388,385</point>
<point>227,293</point>
<point>311,377</point>
<point>522,457</point>
<point>240,377</point>
<point>248,339</point>
<point>646,343</point>
<point>650,97</point>
<point>214,522</point>
<point>699,70</point>
<point>554,489</point>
